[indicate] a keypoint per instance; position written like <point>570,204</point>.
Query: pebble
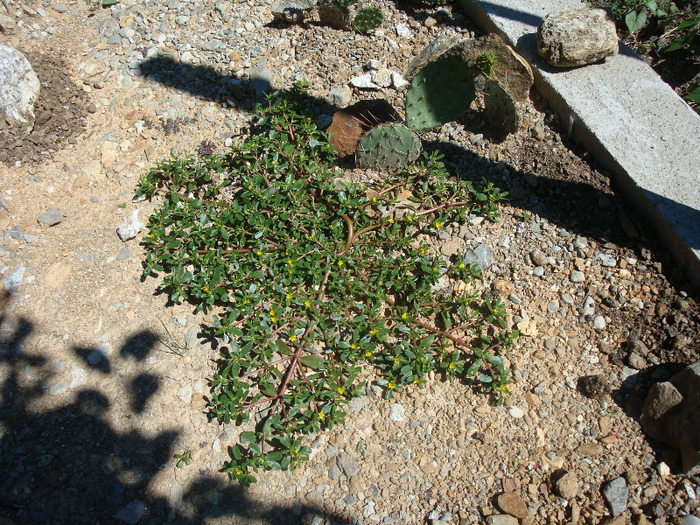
<point>124,254</point>
<point>131,513</point>
<point>516,412</point>
<point>50,217</point>
<point>577,276</point>
<point>599,322</point>
<point>397,412</point>
<point>615,493</point>
<point>482,256</point>
<point>567,485</point>
<point>349,465</point>
<point>13,282</point>
<point>130,226</point>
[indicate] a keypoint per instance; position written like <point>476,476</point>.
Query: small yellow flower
<point>422,251</point>
<point>438,224</point>
<point>435,268</point>
<point>250,186</point>
<point>307,303</point>
<point>452,366</point>
<point>340,390</point>
<point>422,359</point>
<point>368,354</point>
<point>259,252</point>
<point>397,360</point>
<point>374,331</point>
<point>462,266</point>
<point>374,199</point>
<point>246,301</point>
<point>404,315</point>
<point>273,319</point>
<point>353,346</point>
<point>205,288</point>
<point>340,263</point>
<point>321,415</point>
<point>416,380</point>
<point>290,296</point>
<point>391,221</point>
<point>272,312</point>
<point>391,385</point>
<point>238,472</point>
<point>290,262</point>
<point>292,338</point>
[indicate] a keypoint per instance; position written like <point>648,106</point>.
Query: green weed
<point>316,283</point>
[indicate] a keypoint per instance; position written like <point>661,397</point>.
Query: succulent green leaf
<point>387,147</point>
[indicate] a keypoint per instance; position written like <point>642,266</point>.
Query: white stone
<point>397,80</point>
<point>363,82</point>
<point>130,226</point>
<point>403,31</point>
<point>397,412</point>
<point>516,412</point>
<point>19,87</point>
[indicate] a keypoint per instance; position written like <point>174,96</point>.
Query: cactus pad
<point>367,19</point>
<point>387,147</point>
<point>440,92</point>
<point>500,109</point>
<point>334,14</point>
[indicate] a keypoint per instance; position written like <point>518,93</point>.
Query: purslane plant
<point>315,282</point>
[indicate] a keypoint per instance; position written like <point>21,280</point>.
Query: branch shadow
<point>64,463</point>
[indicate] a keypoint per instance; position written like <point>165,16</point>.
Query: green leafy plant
<point>367,19</point>
<point>636,14</point>
<point>688,36</point>
<point>183,459</point>
<point>318,286</point>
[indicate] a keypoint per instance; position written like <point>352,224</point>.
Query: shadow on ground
<point>70,465</point>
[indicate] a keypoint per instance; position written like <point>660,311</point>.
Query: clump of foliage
<point>314,281</point>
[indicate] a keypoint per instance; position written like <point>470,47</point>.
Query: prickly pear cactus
<point>367,19</point>
<point>387,147</point>
<point>440,92</point>
<point>334,14</point>
<point>500,109</point>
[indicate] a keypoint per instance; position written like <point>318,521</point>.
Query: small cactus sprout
<point>367,19</point>
<point>486,63</point>
<point>387,147</point>
<point>440,92</point>
<point>335,13</point>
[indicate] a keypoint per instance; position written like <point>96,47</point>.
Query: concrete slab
<point>625,115</point>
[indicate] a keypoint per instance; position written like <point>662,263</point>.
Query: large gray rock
<point>19,87</point>
<point>672,413</point>
<point>576,37</point>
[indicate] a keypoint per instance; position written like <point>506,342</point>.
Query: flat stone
<point>511,503</point>
<point>349,465</point>
<point>576,37</point>
<point>615,493</point>
<point>51,217</point>
<point>590,449</point>
<point>397,412</point>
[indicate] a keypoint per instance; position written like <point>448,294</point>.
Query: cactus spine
<point>387,147</point>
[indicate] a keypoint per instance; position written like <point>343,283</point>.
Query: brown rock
<point>351,123</point>
<point>566,484</point>
<point>511,503</point>
<point>576,37</point>
<point>661,399</point>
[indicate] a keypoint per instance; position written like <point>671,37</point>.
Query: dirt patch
<point>61,113</point>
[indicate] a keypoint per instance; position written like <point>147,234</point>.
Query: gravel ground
<point>103,382</point>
